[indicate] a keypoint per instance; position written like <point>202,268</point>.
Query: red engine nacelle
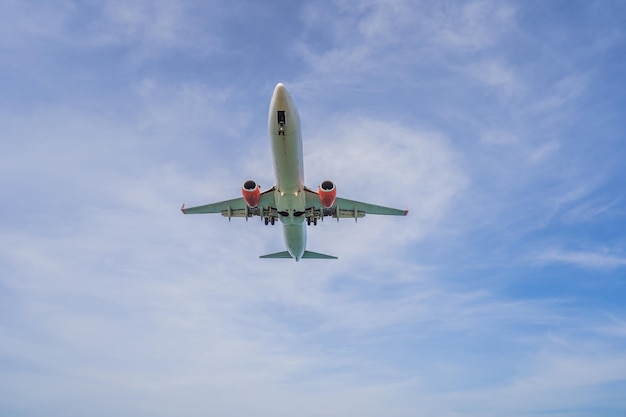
<point>251,192</point>
<point>327,193</point>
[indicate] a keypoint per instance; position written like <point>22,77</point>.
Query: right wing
<point>351,208</point>
<point>236,207</point>
<point>344,208</point>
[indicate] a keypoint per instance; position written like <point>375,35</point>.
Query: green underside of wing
<point>345,205</point>
<point>277,255</point>
<point>315,255</point>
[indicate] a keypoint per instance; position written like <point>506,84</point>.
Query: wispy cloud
<point>563,91</point>
<point>112,23</point>
<point>471,26</point>
<point>497,75</point>
<point>602,258</point>
<point>392,36</point>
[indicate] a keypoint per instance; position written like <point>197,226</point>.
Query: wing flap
<point>236,207</point>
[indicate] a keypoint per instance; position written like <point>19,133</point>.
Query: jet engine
<point>251,192</point>
<point>327,193</point>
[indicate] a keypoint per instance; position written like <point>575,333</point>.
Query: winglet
<point>183,209</point>
<point>406,212</point>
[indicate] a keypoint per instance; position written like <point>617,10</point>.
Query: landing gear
<point>280,115</point>
<point>311,219</point>
<point>267,220</point>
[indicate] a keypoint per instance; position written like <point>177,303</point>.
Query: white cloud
<point>391,37</point>
<point>498,75</point>
<point>550,381</point>
<point>590,210</point>
<point>147,27</point>
<point>615,327</point>
<point>498,137</point>
<point>472,26</point>
<point>563,91</point>
<point>544,151</point>
<point>602,258</point>
<point>388,164</point>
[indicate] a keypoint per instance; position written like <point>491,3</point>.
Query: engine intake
<point>251,192</point>
<point>327,193</point>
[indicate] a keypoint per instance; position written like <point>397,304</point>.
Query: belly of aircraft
<point>295,239</point>
<point>288,163</point>
<point>291,207</point>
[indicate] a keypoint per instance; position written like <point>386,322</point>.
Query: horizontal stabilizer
<point>284,254</point>
<point>307,255</point>
<point>315,255</point>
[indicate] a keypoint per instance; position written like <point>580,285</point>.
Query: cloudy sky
<point>499,124</point>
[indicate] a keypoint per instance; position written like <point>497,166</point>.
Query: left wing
<point>236,207</point>
<point>344,208</point>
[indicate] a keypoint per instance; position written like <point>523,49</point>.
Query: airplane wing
<point>347,208</point>
<point>344,208</point>
<point>236,207</point>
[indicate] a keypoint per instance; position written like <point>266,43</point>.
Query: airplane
<point>290,201</point>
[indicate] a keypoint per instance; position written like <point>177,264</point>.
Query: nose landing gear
<point>280,115</point>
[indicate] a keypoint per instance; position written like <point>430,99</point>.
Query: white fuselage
<point>286,138</point>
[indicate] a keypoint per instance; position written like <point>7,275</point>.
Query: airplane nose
<point>283,112</point>
<point>280,91</point>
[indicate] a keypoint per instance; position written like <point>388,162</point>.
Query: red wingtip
<point>183,208</point>
<point>406,212</point>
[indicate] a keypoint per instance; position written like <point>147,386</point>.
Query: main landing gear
<point>271,214</point>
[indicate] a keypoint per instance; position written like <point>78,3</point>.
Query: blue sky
<point>499,124</point>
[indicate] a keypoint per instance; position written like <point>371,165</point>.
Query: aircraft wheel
<point>267,221</point>
<point>272,221</point>
<point>315,222</point>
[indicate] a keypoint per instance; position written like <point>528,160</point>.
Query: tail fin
<point>307,255</point>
